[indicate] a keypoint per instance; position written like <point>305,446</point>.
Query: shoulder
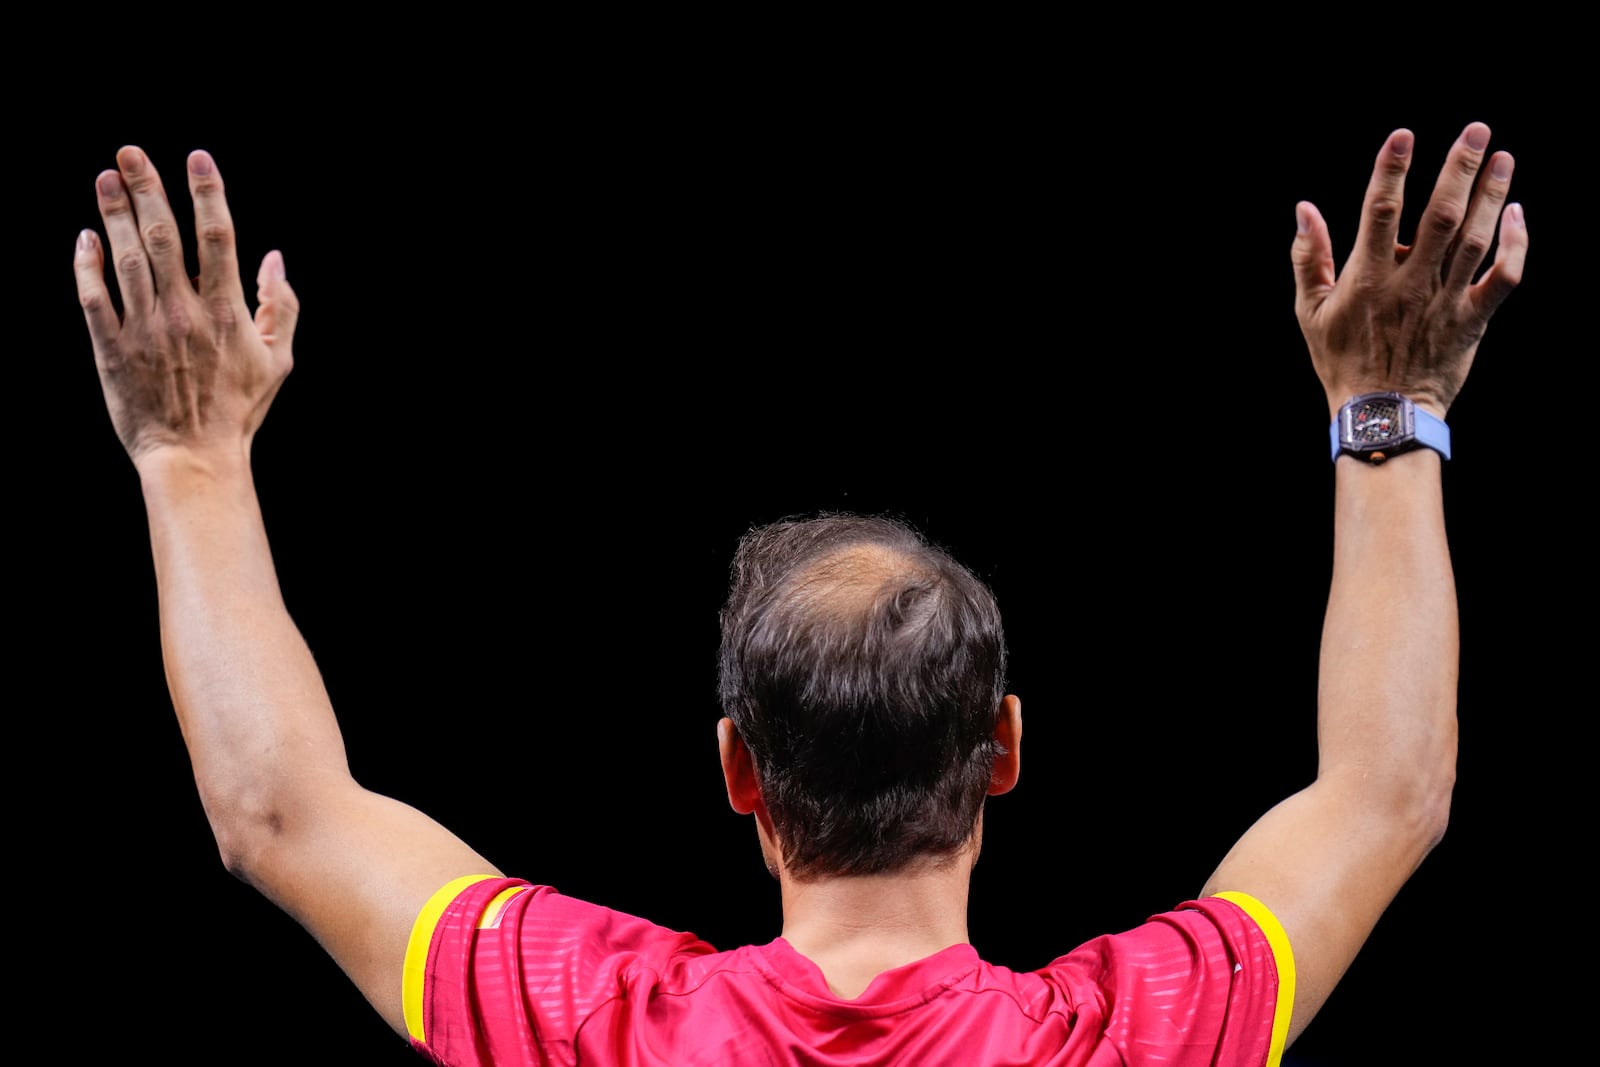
<point>1214,973</point>
<point>495,961</point>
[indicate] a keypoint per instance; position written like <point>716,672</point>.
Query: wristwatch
<point>1375,426</point>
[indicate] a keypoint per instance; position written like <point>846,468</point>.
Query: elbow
<point>246,828</point>
<point>1403,784</point>
<point>1434,813</point>
<point>1407,806</point>
<point>261,815</point>
<point>243,856</point>
<point>1431,793</point>
<point>1419,808</point>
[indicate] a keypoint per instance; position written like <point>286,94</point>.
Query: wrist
<point>181,467</point>
<point>1418,463</point>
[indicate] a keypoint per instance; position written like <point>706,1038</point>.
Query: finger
<point>1506,272</point>
<point>277,309</point>
<point>1312,256</point>
<point>1478,231</point>
<point>213,224</point>
<point>1380,211</point>
<point>158,229</point>
<point>1442,219</point>
<point>127,250</point>
<point>89,266</point>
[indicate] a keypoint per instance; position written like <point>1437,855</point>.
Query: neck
<point>856,927</point>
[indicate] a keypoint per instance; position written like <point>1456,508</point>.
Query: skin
<point>1328,860</point>
<point>188,374</point>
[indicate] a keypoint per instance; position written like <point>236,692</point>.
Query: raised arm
<point>1328,860</point>
<point>188,375</point>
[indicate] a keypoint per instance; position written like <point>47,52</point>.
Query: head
<point>863,669</point>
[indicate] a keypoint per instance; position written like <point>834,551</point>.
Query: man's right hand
<point>186,365</point>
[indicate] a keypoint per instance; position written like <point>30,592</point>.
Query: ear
<point>738,770</point>
<point>1008,734</point>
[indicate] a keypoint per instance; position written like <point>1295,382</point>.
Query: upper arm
<point>1326,862</point>
<point>355,869</point>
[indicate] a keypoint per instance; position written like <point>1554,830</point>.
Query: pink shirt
<point>500,972</point>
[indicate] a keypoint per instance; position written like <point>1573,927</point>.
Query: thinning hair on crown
<point>864,667</point>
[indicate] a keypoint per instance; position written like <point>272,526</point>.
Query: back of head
<point>864,669</point>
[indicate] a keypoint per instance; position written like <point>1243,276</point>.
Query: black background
<point>563,340</point>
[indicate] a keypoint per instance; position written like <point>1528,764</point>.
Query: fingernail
<point>1501,168</point>
<point>1515,211</point>
<point>1477,136</point>
<point>275,268</point>
<point>200,162</point>
<point>86,241</point>
<point>109,183</point>
<point>1302,222</point>
<point>1400,143</point>
<point>132,159</point>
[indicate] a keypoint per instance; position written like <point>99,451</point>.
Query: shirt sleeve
<point>1210,983</point>
<point>501,972</point>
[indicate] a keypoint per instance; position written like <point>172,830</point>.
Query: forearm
<point>1387,682</point>
<point>250,701</point>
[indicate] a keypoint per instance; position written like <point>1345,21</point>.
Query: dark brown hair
<point>864,668</point>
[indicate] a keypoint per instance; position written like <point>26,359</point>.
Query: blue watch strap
<point>1432,432</point>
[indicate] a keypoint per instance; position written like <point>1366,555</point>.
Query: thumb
<point>277,308</point>
<point>1312,256</point>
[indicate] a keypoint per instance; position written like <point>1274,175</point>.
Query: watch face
<point>1375,422</point>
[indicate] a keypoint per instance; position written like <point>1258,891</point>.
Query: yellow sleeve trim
<point>491,912</point>
<point>1284,958</point>
<point>416,966</point>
